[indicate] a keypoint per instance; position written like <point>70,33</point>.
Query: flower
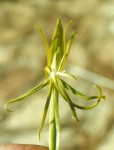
<point>54,71</point>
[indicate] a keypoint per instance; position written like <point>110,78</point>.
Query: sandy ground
<point>22,62</point>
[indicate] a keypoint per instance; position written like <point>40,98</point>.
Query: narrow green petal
<point>35,89</point>
<point>58,36</point>
<point>63,58</point>
<point>69,44</point>
<point>62,63</point>
<point>44,38</point>
<point>45,111</point>
<point>46,45</point>
<point>52,50</point>
<point>64,35</point>
<point>57,41</point>
<point>66,74</point>
<point>55,61</point>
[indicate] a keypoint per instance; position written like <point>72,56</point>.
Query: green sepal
<point>65,95</point>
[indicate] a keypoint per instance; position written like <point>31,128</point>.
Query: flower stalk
<point>57,54</point>
<point>54,124</point>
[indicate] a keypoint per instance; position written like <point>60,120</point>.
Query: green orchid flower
<point>57,54</point>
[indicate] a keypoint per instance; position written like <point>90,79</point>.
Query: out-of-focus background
<point>22,59</point>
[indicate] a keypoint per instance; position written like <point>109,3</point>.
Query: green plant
<point>54,71</point>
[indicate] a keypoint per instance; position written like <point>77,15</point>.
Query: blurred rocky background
<point>22,59</point>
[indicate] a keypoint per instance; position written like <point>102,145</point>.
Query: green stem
<point>54,125</point>
<point>57,120</point>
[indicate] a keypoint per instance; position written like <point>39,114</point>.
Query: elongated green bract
<point>57,54</point>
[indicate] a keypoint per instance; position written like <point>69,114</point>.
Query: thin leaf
<point>87,107</point>
<point>101,96</point>
<point>45,111</point>
<point>93,97</point>
<point>95,104</point>
<point>65,95</point>
<point>76,92</point>
<point>35,89</point>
